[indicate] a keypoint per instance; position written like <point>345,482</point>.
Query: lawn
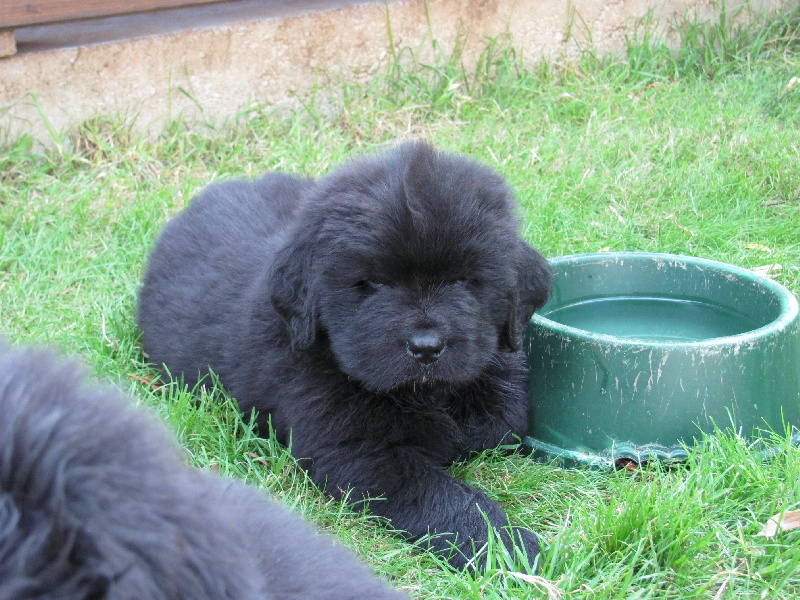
<point>694,150</point>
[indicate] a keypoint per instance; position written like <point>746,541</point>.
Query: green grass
<point>694,150</point>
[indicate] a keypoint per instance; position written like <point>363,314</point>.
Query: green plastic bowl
<point>636,354</point>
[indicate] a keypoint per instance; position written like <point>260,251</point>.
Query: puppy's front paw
<point>477,553</point>
<point>485,539</point>
<point>526,542</point>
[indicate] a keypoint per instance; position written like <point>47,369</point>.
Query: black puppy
<point>96,503</point>
<point>375,315</point>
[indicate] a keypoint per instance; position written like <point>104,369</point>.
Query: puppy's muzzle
<point>426,348</point>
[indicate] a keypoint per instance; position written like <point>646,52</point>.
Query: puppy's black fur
<point>376,315</point>
<point>96,503</point>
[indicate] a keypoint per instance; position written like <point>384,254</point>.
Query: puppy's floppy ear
<point>290,283</point>
<point>534,281</point>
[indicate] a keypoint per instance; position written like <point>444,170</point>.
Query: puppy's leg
<point>494,411</point>
<point>419,497</point>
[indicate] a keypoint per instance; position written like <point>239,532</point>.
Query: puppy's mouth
<point>417,394</point>
<point>424,382</point>
<point>424,379</point>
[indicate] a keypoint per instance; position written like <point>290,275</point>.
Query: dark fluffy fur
<point>96,503</point>
<point>375,315</point>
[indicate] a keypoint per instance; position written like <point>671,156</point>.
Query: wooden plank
<point>18,13</point>
<point>8,45</point>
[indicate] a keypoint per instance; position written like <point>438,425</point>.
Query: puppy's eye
<point>368,285</point>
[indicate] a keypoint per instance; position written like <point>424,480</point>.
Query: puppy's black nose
<point>426,347</point>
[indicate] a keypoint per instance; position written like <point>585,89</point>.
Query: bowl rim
<point>789,307</point>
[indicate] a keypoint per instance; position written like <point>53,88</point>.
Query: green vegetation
<point>694,150</point>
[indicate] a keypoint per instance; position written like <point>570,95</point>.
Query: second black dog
<point>97,504</point>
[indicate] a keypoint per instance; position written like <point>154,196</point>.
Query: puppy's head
<point>410,266</point>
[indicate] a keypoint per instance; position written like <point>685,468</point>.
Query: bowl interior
<point>659,300</point>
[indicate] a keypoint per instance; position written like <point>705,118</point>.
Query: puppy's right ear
<point>290,284</point>
<point>534,282</point>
